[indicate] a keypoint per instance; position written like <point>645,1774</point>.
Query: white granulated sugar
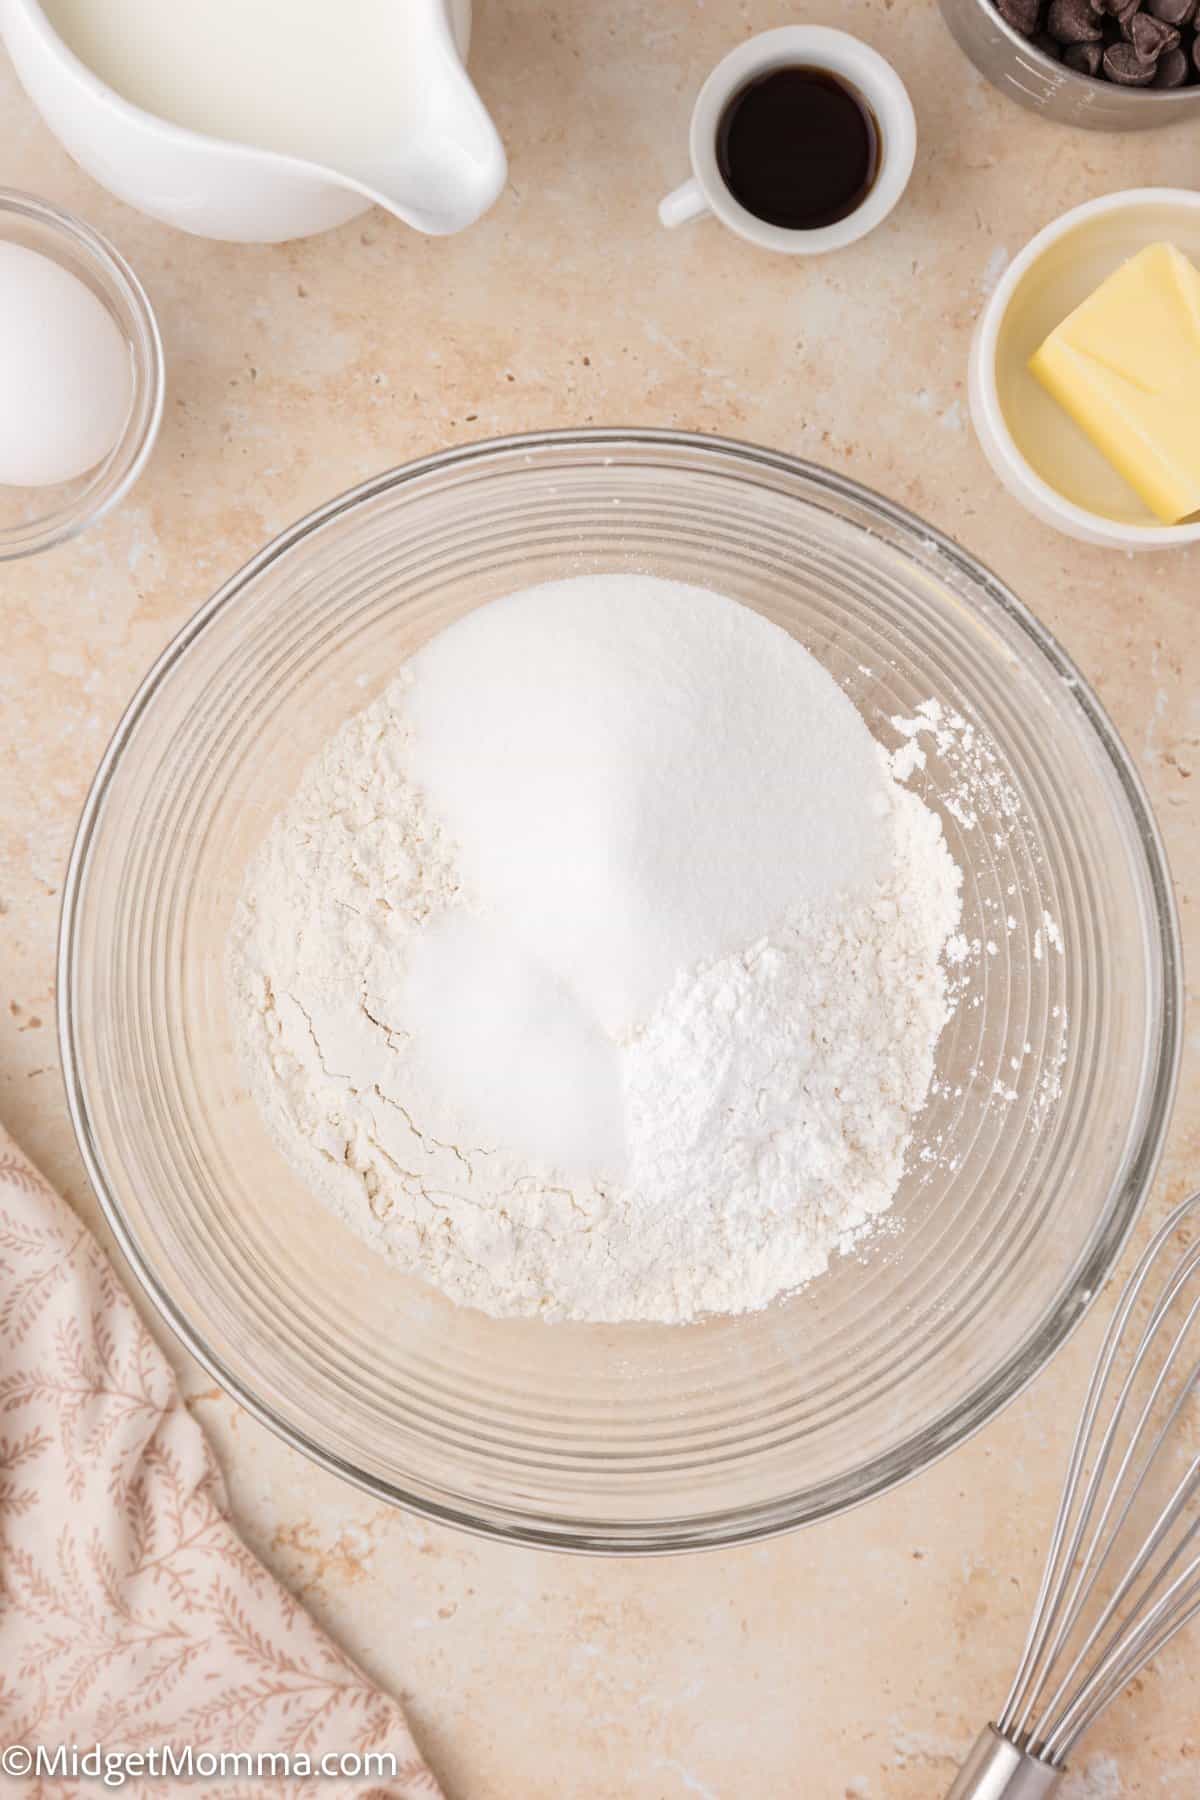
<point>639,776</point>
<point>594,970</point>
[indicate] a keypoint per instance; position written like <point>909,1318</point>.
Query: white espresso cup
<point>810,47</point>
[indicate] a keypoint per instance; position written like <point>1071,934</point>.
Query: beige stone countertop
<point>857,1660</point>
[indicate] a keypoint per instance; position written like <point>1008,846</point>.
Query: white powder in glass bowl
<point>594,971</point>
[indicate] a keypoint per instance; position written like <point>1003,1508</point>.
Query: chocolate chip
<point>1123,65</point>
<point>1023,15</point>
<point>1085,59</point>
<point>1073,22</point>
<point>1126,41</point>
<point>1172,12</point>
<point>1172,70</point>
<point>1116,25</point>
<point>1150,37</point>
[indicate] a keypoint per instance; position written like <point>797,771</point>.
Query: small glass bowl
<point>36,519</point>
<point>1055,1075</point>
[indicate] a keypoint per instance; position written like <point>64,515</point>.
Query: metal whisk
<point>1123,1573</point>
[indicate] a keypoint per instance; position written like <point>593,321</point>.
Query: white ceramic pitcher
<point>440,180</point>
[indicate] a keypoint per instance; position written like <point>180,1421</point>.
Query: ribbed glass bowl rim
<point>958,1423</point>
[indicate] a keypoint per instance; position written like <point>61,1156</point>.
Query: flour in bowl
<point>594,970</point>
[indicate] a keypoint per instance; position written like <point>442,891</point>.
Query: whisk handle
<point>997,1770</point>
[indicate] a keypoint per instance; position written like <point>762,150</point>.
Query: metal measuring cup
<point>1037,81</point>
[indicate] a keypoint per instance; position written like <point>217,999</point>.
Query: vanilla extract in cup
<point>801,141</point>
<point>799,148</point>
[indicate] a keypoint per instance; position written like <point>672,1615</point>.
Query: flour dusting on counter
<point>1098,1778</point>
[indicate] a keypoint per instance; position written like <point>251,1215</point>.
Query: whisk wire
<point>1122,1573</point>
<point>1096,1560</point>
<point>1023,1693</point>
<point>1063,1597</point>
<point>1022,1696</point>
<point>1127,1656</point>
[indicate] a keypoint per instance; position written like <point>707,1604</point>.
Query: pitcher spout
<point>447,165</point>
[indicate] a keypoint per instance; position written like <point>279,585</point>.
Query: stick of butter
<point>1126,366</point>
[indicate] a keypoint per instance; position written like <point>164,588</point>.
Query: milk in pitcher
<point>325,80</point>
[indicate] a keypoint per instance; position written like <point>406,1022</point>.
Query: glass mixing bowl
<point>1055,1075</point>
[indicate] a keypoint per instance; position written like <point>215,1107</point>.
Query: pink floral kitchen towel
<point>132,1618</point>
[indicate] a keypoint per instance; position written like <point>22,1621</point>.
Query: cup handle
<point>687,202</point>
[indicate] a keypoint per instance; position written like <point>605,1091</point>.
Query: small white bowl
<point>1043,458</point>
